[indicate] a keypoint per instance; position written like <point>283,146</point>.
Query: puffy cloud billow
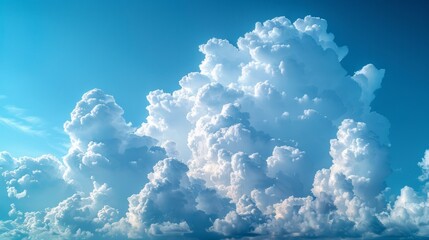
<point>272,138</point>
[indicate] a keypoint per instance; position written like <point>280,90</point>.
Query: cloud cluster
<point>271,138</point>
<point>105,149</point>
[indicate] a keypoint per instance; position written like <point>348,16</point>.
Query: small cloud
<point>17,118</point>
<point>21,114</point>
<point>20,126</point>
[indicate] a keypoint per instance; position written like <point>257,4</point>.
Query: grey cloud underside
<point>271,139</point>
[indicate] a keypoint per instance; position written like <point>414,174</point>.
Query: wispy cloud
<point>17,118</point>
<point>20,126</point>
<point>21,114</point>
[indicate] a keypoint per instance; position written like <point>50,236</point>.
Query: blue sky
<point>52,52</point>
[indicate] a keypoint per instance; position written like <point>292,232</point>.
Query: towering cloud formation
<point>105,149</point>
<point>272,138</point>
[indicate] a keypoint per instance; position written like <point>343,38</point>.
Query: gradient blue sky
<point>51,52</point>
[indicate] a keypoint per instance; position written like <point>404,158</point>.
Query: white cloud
<point>170,204</point>
<point>105,149</point>
<point>424,165</point>
<point>105,158</point>
<point>77,217</point>
<point>259,118</point>
<point>13,123</point>
<point>317,28</point>
<point>168,229</point>
<point>369,79</point>
<point>21,113</point>
<point>17,118</point>
<point>271,138</point>
<point>28,182</point>
<point>409,214</point>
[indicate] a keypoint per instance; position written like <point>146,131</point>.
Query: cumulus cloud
<point>88,188</point>
<point>26,181</point>
<point>409,214</point>
<point>104,148</point>
<point>171,203</point>
<point>272,138</point>
<point>77,217</point>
